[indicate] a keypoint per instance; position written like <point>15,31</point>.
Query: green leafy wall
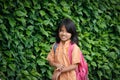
<point>27,30</point>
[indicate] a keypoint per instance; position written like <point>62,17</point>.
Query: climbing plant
<point>27,32</point>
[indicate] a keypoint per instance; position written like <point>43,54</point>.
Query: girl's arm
<point>53,64</point>
<point>56,65</point>
<point>71,67</point>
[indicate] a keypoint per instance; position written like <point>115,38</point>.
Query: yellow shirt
<point>61,56</point>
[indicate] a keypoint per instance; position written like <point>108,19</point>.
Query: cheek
<point>69,35</point>
<point>59,33</point>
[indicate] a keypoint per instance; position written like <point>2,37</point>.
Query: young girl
<point>66,35</point>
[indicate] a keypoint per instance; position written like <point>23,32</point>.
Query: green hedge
<point>27,30</point>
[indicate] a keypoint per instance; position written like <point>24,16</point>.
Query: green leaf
<point>1,21</point>
<point>66,9</point>
<point>67,15</point>
<point>6,35</point>
<point>35,2</point>
<point>12,67</point>
<point>37,49</point>
<point>25,72</point>
<point>105,67</point>
<point>86,44</point>
<point>28,33</point>
<point>3,27</point>
<point>94,64</point>
<point>88,58</point>
<point>42,13</point>
<point>10,72</point>
<point>27,4</point>
<point>52,39</point>
<point>12,22</point>
<point>86,13</point>
<point>21,13</point>
<point>20,47</point>
<point>35,73</point>
<point>49,74</point>
<point>16,42</point>
<point>96,29</point>
<point>34,78</point>
<point>30,27</point>
<point>22,20</point>
<point>9,53</point>
<point>5,11</point>
<point>32,56</point>
<point>83,21</point>
<point>37,6</point>
<point>43,31</point>
<point>40,62</point>
<point>46,22</point>
<point>23,59</point>
<point>43,70</point>
<point>58,8</point>
<point>113,55</point>
<point>21,28</point>
<point>103,48</point>
<point>99,73</point>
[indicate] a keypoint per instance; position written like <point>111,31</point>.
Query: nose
<point>64,33</point>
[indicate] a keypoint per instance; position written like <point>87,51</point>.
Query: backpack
<point>82,70</point>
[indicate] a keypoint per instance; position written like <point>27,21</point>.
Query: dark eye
<point>61,30</point>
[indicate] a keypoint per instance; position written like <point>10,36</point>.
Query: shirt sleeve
<point>75,54</point>
<point>51,56</point>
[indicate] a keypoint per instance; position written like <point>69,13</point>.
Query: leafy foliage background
<point>27,30</point>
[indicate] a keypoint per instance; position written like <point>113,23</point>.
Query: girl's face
<point>64,35</point>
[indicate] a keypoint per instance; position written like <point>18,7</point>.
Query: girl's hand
<point>60,67</point>
<point>56,75</point>
<point>57,72</point>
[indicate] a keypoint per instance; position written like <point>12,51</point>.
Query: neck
<point>63,42</point>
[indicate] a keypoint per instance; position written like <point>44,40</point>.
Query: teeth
<point>63,37</point>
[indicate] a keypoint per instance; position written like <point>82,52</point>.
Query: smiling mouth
<point>63,37</point>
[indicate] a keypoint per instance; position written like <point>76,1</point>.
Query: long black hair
<point>70,27</point>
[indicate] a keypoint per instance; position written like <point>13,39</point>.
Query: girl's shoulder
<point>75,46</point>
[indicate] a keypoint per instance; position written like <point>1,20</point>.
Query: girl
<point>66,35</point>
